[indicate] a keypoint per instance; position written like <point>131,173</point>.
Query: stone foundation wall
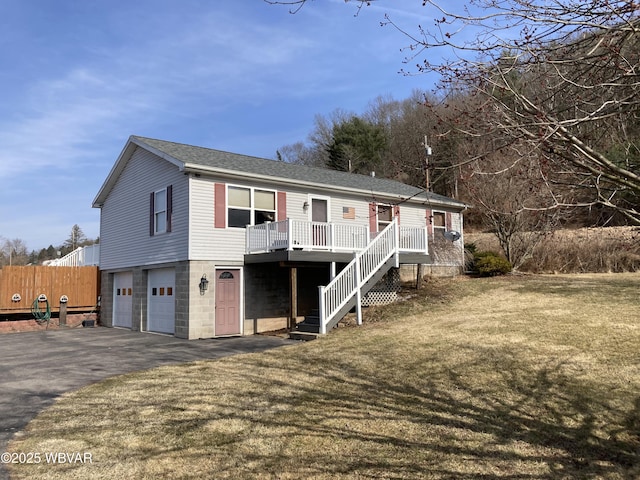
<point>74,320</point>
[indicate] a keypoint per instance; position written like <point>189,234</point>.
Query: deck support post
<point>293,298</point>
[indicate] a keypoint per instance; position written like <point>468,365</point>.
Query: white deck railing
<point>334,237</point>
<point>297,234</point>
<point>80,257</point>
<point>351,280</point>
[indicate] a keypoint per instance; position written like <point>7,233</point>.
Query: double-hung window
<point>160,211</point>
<point>439,224</point>
<point>250,206</point>
<point>385,216</point>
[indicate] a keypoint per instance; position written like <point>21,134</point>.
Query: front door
<point>320,219</point>
<point>227,302</point>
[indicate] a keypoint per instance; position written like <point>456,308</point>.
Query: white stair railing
<point>349,283</point>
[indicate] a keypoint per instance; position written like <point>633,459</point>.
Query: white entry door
<point>320,221</point>
<point>161,306</point>
<point>122,299</point>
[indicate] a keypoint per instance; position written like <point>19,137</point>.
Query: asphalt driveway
<point>37,367</point>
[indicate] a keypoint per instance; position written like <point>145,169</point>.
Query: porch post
<point>289,225</point>
<point>293,298</point>
<point>322,310</point>
<point>332,238</point>
<point>332,270</point>
<point>358,290</point>
<point>267,236</point>
<point>396,240</point>
<point>426,240</point>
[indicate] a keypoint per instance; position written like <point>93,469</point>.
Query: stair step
<point>308,327</point>
<point>314,320</point>
<point>304,336</point>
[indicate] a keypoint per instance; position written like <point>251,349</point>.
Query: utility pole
<point>427,181</point>
<point>428,152</point>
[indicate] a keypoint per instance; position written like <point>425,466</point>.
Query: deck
<point>304,241</point>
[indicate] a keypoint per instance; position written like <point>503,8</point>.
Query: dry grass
<point>516,377</point>
<point>582,250</point>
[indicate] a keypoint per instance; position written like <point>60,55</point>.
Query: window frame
<point>252,209</point>
<point>163,213</point>
<point>382,224</point>
<point>439,229</point>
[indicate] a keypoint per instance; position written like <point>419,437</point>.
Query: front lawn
<point>515,377</point>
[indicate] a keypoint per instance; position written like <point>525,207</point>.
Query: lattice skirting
<point>385,291</point>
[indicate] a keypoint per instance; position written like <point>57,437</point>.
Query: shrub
<point>489,264</point>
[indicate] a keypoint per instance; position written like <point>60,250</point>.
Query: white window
<point>249,206</point>
<point>160,211</point>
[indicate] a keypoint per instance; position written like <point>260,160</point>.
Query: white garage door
<point>122,299</point>
<point>161,304</point>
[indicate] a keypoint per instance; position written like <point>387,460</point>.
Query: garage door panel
<point>122,299</point>
<point>161,301</point>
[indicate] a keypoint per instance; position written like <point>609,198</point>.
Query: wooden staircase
<point>345,291</point>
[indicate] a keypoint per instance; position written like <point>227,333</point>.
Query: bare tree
<point>562,78</point>
<point>507,193</point>
<point>301,154</point>
<point>13,252</point>
<point>316,152</point>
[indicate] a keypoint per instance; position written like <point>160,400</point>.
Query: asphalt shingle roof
<point>220,160</point>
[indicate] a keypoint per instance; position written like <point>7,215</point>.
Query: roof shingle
<point>217,160</point>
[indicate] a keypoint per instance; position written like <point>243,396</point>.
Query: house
<point>203,243</point>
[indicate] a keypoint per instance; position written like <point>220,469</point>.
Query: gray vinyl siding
<point>224,246</point>
<point>227,245</point>
<point>124,238</point>
<point>413,215</point>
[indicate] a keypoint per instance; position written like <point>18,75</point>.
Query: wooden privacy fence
<point>81,285</point>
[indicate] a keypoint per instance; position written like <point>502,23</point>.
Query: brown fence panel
<point>80,284</point>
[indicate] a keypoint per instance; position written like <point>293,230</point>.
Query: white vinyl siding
<point>124,219</point>
<point>221,245</point>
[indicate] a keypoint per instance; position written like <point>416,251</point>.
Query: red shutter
<point>169,206</point>
<point>429,222</point>
<point>220,205</point>
<point>282,206</point>
<point>447,221</point>
<point>396,212</point>
<point>373,218</point>
<point>152,211</point>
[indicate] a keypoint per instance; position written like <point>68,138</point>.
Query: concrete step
<point>304,336</point>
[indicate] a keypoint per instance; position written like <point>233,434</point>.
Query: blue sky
<point>78,77</point>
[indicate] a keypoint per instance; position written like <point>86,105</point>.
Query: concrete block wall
<point>408,273</point>
<point>139,315</point>
<point>182,296</point>
<point>106,299</point>
<point>199,316</point>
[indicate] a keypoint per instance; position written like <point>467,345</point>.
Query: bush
<point>489,264</point>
